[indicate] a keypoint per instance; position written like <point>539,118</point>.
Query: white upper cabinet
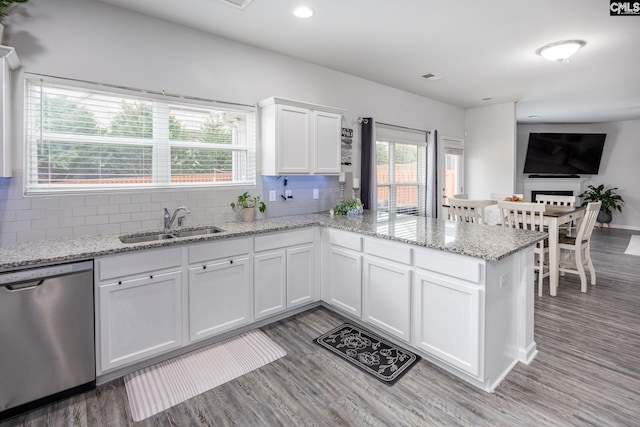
<point>8,61</point>
<point>298,138</point>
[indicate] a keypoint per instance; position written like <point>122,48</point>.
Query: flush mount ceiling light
<point>560,51</point>
<point>303,12</point>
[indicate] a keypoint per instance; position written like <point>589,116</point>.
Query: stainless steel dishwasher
<point>46,335</point>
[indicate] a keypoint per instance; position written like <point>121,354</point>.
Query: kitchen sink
<point>197,232</point>
<point>140,238</point>
<point>153,237</point>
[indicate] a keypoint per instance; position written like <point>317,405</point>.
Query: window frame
<point>243,152</point>
<point>392,137</point>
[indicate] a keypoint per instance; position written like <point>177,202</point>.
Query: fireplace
<point>559,186</point>
<point>534,193</point>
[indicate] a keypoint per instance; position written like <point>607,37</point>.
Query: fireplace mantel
<point>552,184</point>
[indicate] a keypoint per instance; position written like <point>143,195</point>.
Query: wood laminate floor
<point>587,373</point>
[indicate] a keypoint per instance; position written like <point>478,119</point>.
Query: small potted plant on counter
<point>247,205</point>
<point>610,201</point>
<point>349,207</point>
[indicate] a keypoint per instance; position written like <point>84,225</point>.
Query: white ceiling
<point>481,49</point>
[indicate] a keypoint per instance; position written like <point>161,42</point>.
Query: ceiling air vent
<point>431,76</point>
<point>240,4</point>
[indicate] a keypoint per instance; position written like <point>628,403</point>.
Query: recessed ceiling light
<point>560,51</point>
<point>535,117</point>
<point>303,12</point>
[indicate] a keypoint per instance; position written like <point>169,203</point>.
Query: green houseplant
<point>247,204</point>
<point>348,207</point>
<point>610,201</point>
<point>4,5</point>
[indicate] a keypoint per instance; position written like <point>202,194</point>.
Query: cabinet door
<point>269,283</point>
<point>140,318</point>
<point>300,276</point>
<point>386,297</point>
<point>219,297</point>
<point>447,321</point>
<point>293,140</point>
<point>326,128</point>
<point>345,280</point>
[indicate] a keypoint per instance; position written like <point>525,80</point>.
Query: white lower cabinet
<point>139,318</point>
<point>447,320</point>
<point>219,297</point>
<point>386,296</point>
<point>270,283</point>
<point>301,281</point>
<point>284,271</point>
<point>343,283</point>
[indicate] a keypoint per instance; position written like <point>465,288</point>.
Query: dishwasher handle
<point>24,286</point>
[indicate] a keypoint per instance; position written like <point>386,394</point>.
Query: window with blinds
<point>85,137</point>
<point>400,171</point>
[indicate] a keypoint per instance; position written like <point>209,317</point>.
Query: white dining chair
<point>528,216</point>
<point>579,247</point>
<point>468,210</point>
<point>558,200</point>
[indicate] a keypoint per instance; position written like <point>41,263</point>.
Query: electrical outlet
<point>288,194</point>
<point>316,194</point>
<point>272,195</point>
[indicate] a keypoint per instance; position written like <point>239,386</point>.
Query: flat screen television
<point>564,153</point>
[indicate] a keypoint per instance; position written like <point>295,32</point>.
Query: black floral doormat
<point>385,361</point>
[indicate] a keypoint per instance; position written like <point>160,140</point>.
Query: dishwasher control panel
<point>42,272</point>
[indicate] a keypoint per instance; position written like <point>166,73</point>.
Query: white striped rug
<point>634,246</point>
<point>159,387</point>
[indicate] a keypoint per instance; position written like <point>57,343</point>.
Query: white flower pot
<point>248,214</point>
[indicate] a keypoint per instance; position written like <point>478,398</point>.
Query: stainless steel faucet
<point>168,219</point>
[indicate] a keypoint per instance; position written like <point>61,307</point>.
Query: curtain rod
<point>153,92</point>
<point>361,119</point>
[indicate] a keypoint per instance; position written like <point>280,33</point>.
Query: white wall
<point>89,40</point>
<point>490,150</point>
<point>619,166</point>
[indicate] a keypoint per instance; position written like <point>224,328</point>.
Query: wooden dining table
<point>554,217</point>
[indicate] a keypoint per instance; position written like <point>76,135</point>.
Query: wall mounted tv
<point>564,153</point>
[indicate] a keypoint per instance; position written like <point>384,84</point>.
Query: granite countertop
<point>487,242</point>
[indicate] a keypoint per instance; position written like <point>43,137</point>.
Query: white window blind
<point>86,137</point>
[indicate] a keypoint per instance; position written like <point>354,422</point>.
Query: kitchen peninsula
<point>461,295</point>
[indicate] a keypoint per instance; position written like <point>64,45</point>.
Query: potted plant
<point>4,4</point>
<point>247,204</point>
<point>610,201</point>
<point>349,207</point>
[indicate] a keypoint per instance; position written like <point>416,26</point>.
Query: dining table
<point>554,217</point>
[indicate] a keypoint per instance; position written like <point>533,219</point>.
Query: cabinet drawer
<point>142,262</point>
<point>388,250</point>
<point>449,264</point>
<point>283,240</point>
<point>216,250</point>
<point>345,239</point>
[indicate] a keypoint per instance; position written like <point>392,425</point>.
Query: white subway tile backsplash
<point>96,219</point>
<point>85,230</point>
<point>31,235</point>
<point>85,211</point>
<point>120,218</point>
<point>51,217</point>
<point>109,229</point>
